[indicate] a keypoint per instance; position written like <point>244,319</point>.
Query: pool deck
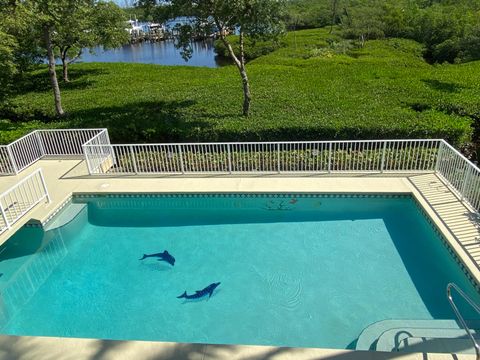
<point>38,348</point>
<point>455,220</point>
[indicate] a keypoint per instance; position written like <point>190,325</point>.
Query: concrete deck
<point>38,348</point>
<point>457,222</point>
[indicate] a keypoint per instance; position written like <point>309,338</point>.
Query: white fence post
<point>329,157</point>
<point>134,160</point>
<point>112,151</point>
<point>180,153</point>
<point>278,159</point>
<point>4,216</point>
<point>44,185</point>
<point>12,159</point>
<point>87,158</point>
<point>439,157</point>
<point>40,142</point>
<point>384,150</point>
<point>229,153</point>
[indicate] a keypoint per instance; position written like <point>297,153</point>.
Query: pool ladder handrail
<point>460,318</point>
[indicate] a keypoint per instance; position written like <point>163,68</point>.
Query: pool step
<point>371,335</point>
<point>65,216</point>
<point>426,340</point>
<point>437,345</point>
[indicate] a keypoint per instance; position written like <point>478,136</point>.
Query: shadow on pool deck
<point>89,349</point>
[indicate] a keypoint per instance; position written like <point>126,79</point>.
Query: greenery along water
<point>315,87</point>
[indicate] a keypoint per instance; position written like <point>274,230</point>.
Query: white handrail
<point>459,316</point>
<point>21,198</point>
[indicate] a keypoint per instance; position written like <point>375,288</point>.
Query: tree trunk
<point>334,14</point>
<point>240,63</point>
<point>247,98</point>
<point>65,69</point>
<point>53,73</point>
<point>65,63</point>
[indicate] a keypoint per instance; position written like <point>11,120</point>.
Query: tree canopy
<point>253,19</point>
<point>32,30</point>
<point>449,29</point>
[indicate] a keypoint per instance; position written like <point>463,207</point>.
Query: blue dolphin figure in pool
<point>200,293</point>
<point>165,256</point>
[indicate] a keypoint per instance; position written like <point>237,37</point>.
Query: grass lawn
<point>314,88</point>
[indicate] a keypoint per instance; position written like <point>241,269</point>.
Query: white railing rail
<point>39,144</point>
<point>267,157</point>
<point>462,176</point>
<point>21,198</point>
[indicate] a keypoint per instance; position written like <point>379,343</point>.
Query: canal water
<point>162,53</point>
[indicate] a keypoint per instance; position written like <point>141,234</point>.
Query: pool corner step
<point>65,216</point>
<point>372,337</point>
<point>436,340</point>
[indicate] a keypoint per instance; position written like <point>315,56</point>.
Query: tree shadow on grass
<point>443,86</point>
<point>148,121</point>
<point>40,81</point>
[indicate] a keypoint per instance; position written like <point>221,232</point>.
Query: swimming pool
<point>302,270</point>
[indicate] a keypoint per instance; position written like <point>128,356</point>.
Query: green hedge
<point>252,50</point>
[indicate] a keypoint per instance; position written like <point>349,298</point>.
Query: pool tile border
<point>241,195</point>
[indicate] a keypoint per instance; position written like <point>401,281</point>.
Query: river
<point>162,53</point>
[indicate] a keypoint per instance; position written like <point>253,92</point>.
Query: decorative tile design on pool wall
<point>242,195</point>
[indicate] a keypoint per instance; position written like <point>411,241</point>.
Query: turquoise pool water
<point>295,270</point>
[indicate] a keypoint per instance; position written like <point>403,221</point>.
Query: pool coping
<point>35,348</point>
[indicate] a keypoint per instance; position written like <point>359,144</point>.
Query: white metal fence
<point>99,153</point>
<point>462,176</point>
<point>378,156</point>
<point>21,198</point>
<point>268,157</point>
<point>66,142</point>
<point>6,162</point>
<point>39,144</point>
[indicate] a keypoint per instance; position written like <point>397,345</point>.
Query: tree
<point>67,25</point>
<point>255,19</point>
<point>17,49</point>
<point>99,24</point>
<point>7,63</point>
